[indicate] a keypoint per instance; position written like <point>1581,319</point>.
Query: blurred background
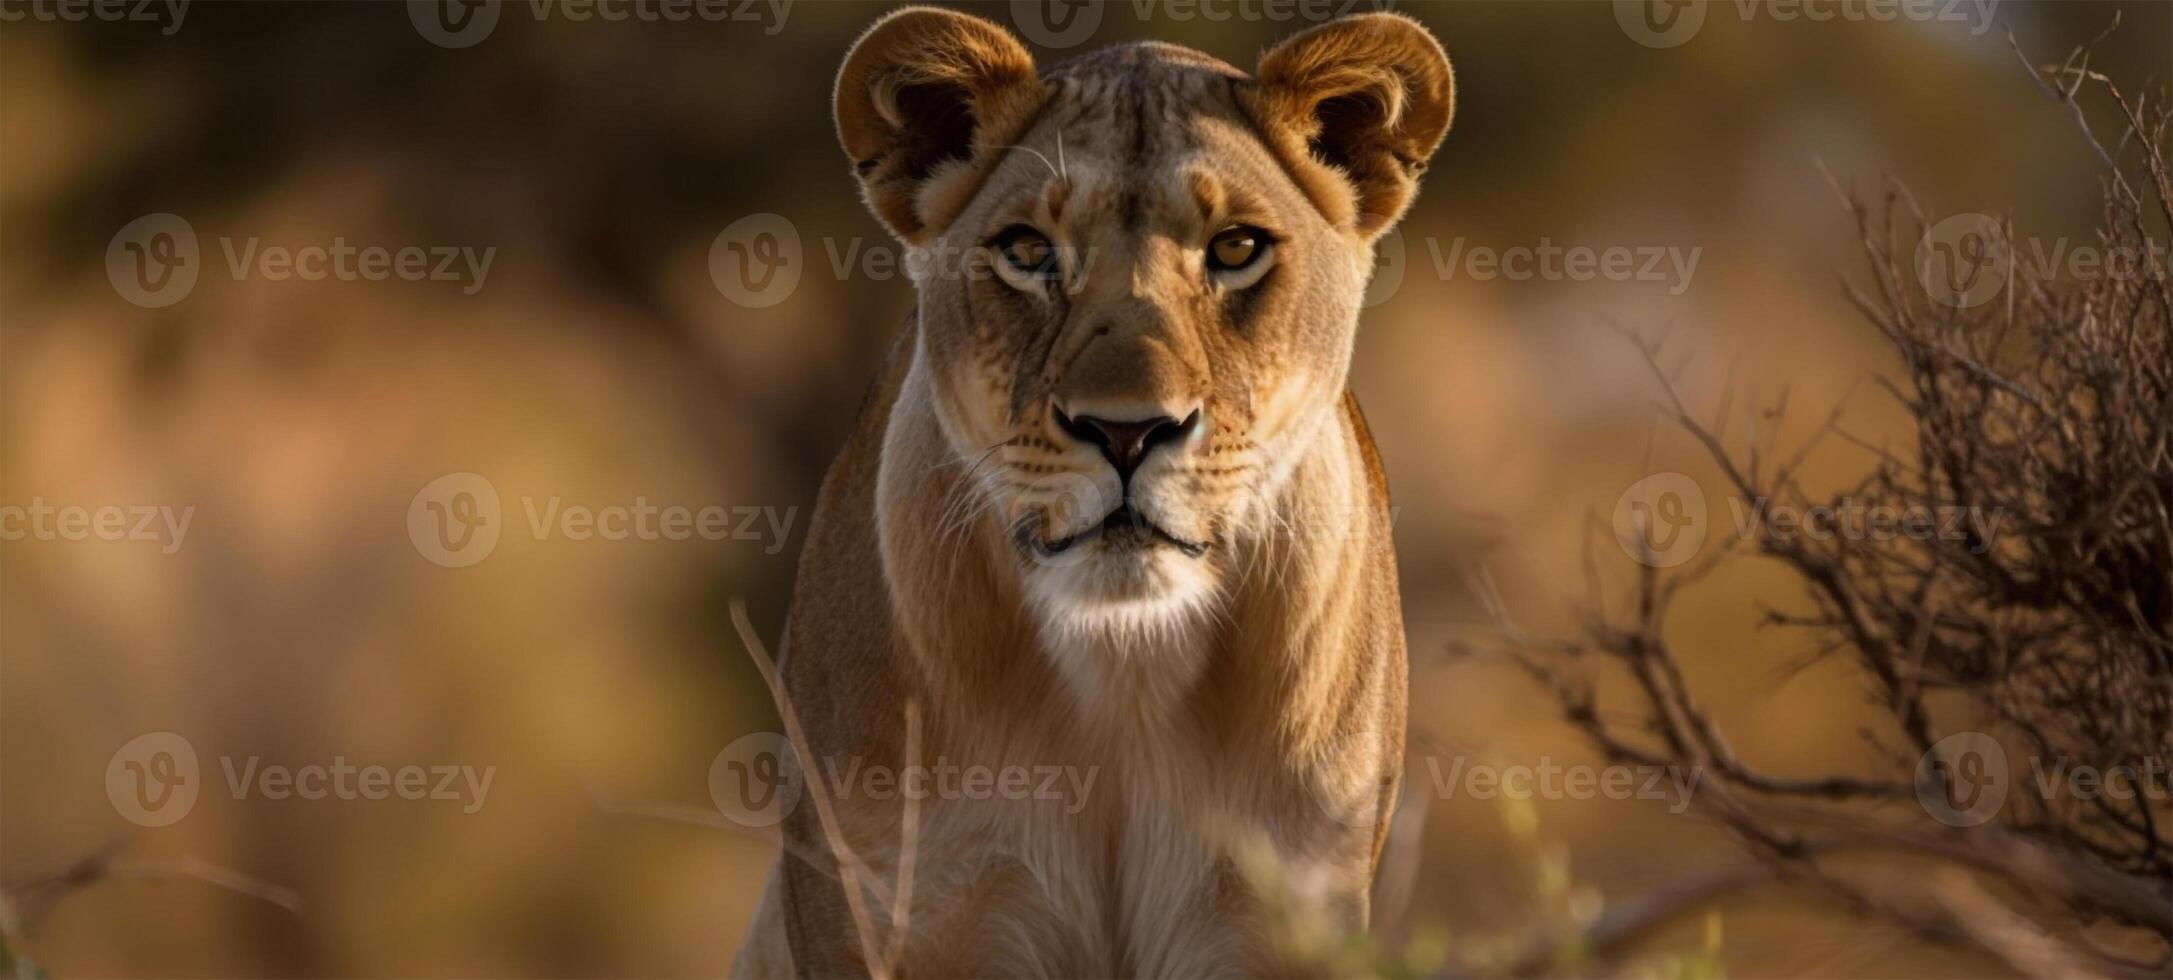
<point>682,303</point>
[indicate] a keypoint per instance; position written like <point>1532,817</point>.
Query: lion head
<point>1139,279</point>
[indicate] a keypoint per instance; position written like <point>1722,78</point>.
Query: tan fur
<point>1251,692</point>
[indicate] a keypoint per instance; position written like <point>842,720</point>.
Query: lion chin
<point>1120,589</point>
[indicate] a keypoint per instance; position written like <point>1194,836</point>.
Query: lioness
<point>1109,515</point>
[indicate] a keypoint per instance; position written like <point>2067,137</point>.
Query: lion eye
<point>1233,249</point>
<point>1027,252</point>
<point>1237,257</point>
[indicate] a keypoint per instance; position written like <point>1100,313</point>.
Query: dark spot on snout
<point>1126,444</point>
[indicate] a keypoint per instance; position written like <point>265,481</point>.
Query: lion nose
<point>1126,444</point>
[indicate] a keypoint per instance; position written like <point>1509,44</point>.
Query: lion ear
<point>1355,107</point>
<point>925,98</point>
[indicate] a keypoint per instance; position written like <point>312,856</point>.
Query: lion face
<point>1143,320</point>
<point>1139,282</point>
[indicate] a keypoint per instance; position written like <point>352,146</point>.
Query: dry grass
<point>2047,410</point>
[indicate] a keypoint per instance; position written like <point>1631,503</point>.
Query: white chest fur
<point>1122,881</point>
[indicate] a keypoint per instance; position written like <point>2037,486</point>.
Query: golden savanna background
<point>682,302</point>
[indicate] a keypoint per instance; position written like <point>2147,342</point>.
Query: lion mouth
<point>1123,529</point>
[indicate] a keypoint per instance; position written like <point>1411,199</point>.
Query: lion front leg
<point>765,951</point>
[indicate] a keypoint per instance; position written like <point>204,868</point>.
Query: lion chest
<point>1113,875</point>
